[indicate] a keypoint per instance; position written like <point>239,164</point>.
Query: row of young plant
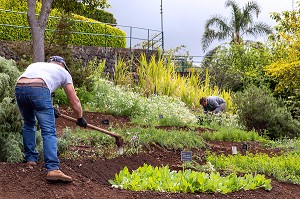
<point>135,141</point>
<point>163,179</point>
<point>284,167</point>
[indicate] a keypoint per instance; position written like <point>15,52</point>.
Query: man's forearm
<point>77,108</point>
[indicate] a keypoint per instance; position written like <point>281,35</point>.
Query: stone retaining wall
<point>11,50</point>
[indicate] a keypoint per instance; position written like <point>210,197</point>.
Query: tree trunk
<point>38,36</point>
<point>38,26</point>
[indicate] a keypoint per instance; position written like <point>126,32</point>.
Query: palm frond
<point>259,28</point>
<point>215,28</point>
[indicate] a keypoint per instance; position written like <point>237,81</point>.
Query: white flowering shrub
<point>113,99</point>
<point>155,110</point>
<point>166,111</point>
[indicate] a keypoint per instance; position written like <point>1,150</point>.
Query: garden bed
<point>91,176</point>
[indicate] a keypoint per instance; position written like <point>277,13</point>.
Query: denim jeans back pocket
<point>41,99</point>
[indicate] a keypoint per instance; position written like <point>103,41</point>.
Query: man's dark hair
<point>202,100</point>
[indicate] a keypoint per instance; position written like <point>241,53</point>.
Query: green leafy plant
<point>284,168</point>
<point>172,139</point>
<point>163,179</point>
<point>286,144</point>
<point>76,143</point>
<point>232,134</point>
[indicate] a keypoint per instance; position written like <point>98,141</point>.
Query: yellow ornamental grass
<point>159,77</point>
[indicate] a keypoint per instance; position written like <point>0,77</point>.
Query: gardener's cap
<point>58,59</point>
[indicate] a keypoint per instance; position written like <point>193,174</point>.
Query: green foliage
<point>10,119</point>
<point>284,168</point>
<point>187,181</point>
<point>238,65</point>
<point>173,139</point>
<point>63,32</point>
<point>99,15</point>
<point>8,76</point>
<point>219,120</point>
<point>92,143</point>
<point>157,76</point>
<point>60,97</point>
<point>284,70</point>
<point>98,35</point>
<point>119,101</point>
<point>259,110</point>
<point>85,97</point>
<point>113,99</point>
<point>165,111</point>
<point>81,75</point>
<point>10,132</point>
<point>88,11</point>
<point>231,134</point>
<point>134,139</point>
<point>292,101</point>
<point>288,145</point>
<point>89,32</point>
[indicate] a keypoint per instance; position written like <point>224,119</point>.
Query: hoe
<point>119,140</point>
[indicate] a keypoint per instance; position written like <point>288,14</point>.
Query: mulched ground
<point>91,176</point>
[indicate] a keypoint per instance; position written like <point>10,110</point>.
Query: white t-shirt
<point>53,75</point>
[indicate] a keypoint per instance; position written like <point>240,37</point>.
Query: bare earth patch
<point>17,180</point>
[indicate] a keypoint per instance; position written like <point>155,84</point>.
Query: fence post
<point>148,41</point>
<point>130,36</point>
<point>105,37</point>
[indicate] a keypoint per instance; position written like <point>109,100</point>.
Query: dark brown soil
<point>17,180</point>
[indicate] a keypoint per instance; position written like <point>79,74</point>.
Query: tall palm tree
<point>240,23</point>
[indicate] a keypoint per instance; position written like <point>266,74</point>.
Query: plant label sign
<point>186,156</point>
<point>245,147</point>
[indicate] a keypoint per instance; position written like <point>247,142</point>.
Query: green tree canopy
<point>238,65</point>
<point>285,69</point>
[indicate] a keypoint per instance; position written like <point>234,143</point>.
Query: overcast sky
<point>183,20</point>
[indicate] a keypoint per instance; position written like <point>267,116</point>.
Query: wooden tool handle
<point>91,126</point>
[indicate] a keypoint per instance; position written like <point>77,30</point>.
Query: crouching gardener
<point>33,94</point>
<point>213,104</point>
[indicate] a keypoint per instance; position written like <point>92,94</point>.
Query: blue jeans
<point>34,103</point>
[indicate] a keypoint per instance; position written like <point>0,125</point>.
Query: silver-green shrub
<point>259,110</point>
<point>10,119</point>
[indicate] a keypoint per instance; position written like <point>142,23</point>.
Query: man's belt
<point>34,84</point>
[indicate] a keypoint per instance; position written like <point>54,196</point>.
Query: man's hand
<point>56,113</point>
<point>81,122</point>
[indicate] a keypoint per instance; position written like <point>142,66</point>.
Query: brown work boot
<point>31,163</point>
<point>58,175</point>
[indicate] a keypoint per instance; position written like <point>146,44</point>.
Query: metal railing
<point>136,37</point>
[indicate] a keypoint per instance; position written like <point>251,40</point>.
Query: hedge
<point>88,32</point>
